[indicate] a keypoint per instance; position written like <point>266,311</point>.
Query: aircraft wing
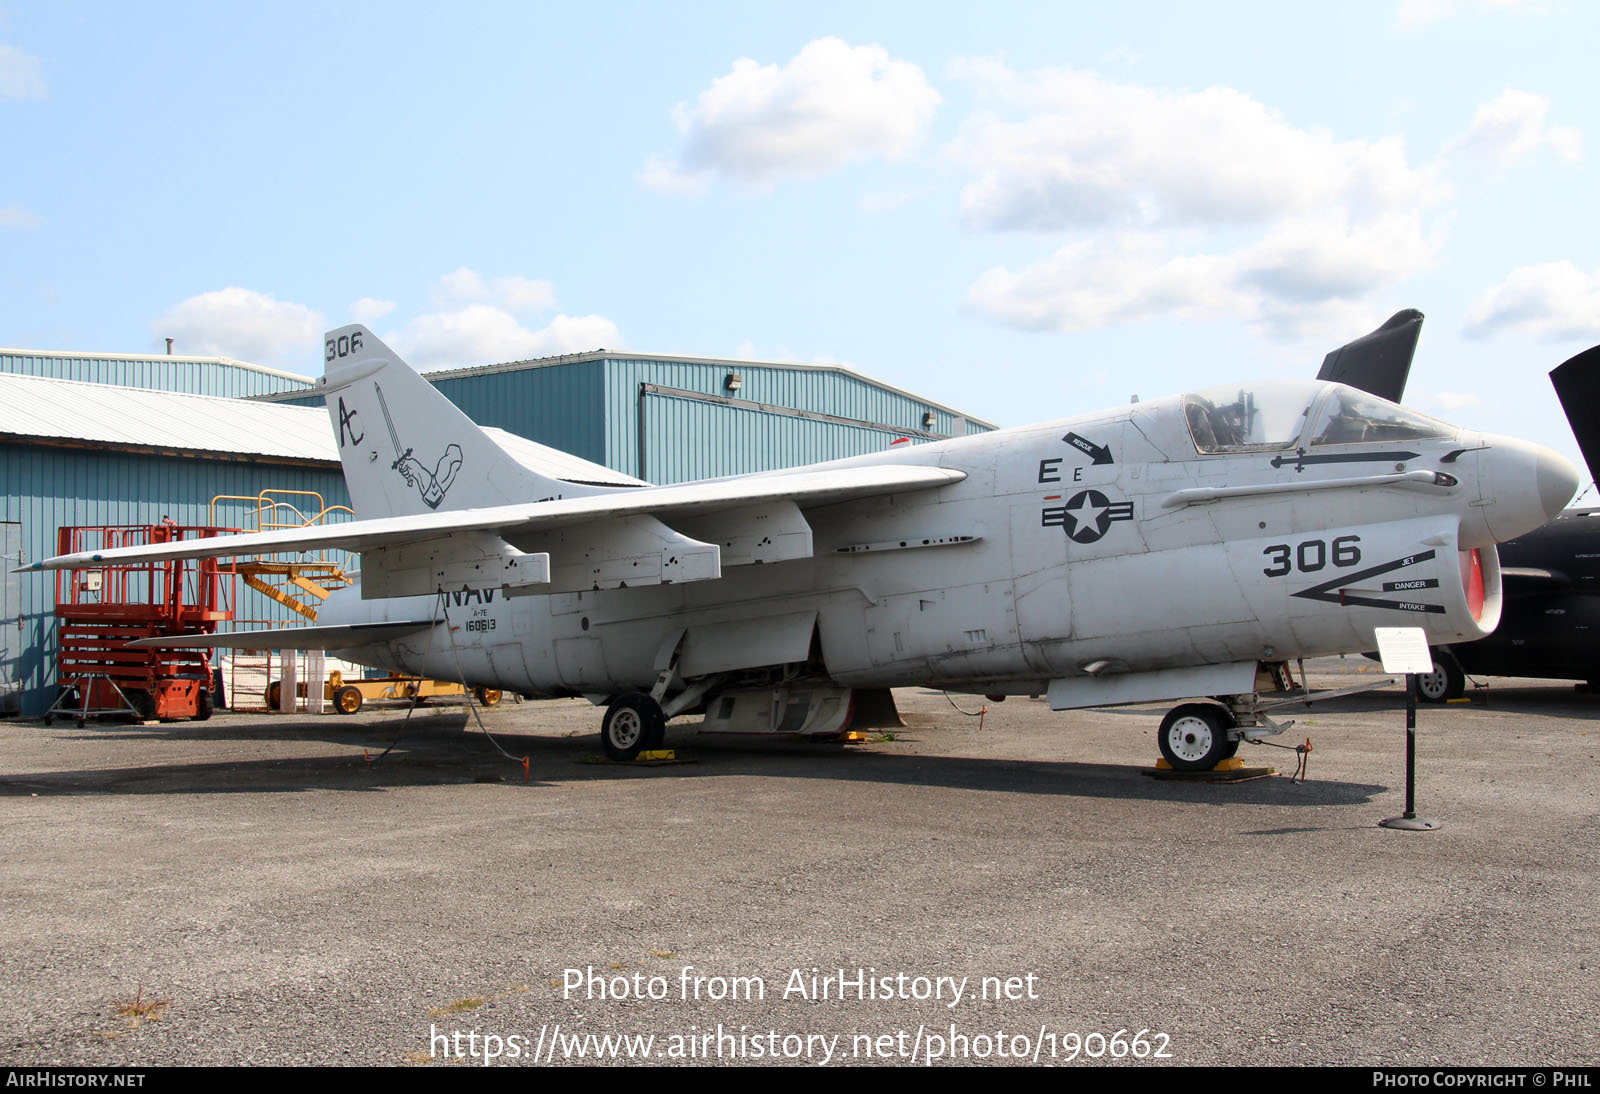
<point>604,540</point>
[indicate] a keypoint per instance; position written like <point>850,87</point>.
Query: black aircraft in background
<point>1550,578</point>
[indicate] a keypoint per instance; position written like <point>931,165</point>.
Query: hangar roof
<point>82,414</point>
<point>164,372</point>
<point>66,411</point>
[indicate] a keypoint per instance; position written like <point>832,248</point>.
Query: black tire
<point>144,704</point>
<point>273,693</point>
<point>63,706</point>
<point>202,705</point>
<point>1194,736</point>
<point>488,697</point>
<point>1444,683</point>
<point>633,723</point>
<point>347,700</point>
<point>658,734</point>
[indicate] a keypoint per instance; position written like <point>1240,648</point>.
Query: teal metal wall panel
<point>556,405</point>
<point>10,613</point>
<point>593,407</point>
<point>197,376</point>
<point>881,415</point>
<point>687,439</point>
<point>49,487</point>
<point>821,390</point>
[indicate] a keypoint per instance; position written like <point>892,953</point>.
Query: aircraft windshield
<point>1352,417</point>
<point>1265,416</point>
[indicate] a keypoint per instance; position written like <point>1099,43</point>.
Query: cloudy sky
<point>1025,211</point>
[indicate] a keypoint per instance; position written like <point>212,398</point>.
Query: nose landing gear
<point>634,723</point>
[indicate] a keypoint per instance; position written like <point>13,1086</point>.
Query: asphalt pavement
<point>1012,888</point>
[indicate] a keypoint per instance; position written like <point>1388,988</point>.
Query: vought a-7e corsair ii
<point>1161,550</point>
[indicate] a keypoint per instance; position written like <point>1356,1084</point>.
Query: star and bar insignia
<point>1087,516</point>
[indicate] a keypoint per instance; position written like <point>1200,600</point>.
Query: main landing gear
<point>1196,736</point>
<point>634,723</point>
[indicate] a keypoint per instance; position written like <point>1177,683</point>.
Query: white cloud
<point>832,103</point>
<point>369,308</point>
<point>1320,258</point>
<point>1090,284</point>
<point>658,174</point>
<point>462,284</point>
<point>21,75</point>
<point>1185,205</point>
<point>517,294</point>
<point>1553,301</point>
<point>248,325</point>
<point>1303,280</point>
<point>1512,126</point>
<point>479,334</point>
<point>15,216</point>
<point>524,294</point>
<point>1090,152</point>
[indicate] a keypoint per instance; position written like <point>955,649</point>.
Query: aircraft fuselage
<point>1127,555</point>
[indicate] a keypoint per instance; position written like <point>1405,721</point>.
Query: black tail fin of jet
<point>1577,382</point>
<point>1379,362</point>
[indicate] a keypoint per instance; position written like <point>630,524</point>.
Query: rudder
<point>406,449</point>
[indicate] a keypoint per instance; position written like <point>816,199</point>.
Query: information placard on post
<point>1403,649</point>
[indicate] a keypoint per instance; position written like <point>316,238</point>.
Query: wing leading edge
<point>502,544</point>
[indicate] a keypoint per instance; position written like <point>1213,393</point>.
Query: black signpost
<point>1405,649</point>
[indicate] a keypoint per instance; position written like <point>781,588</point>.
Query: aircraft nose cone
<point>1522,485</point>
<point>1558,481</point>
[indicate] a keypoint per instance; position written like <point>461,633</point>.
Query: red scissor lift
<point>100,609</point>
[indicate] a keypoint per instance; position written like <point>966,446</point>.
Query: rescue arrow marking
<point>1097,454</point>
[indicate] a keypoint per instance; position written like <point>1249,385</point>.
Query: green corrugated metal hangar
<point>104,439</point>
<point>675,419</point>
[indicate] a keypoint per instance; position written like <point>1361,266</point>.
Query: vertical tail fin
<point>407,449</point>
<point>1577,384</point>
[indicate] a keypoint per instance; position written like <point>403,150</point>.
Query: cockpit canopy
<point>1273,415</point>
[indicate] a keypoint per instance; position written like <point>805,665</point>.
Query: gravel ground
<point>273,890</point>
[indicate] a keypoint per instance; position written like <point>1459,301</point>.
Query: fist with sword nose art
<point>432,485</point>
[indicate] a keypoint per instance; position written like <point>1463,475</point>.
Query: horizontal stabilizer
<point>289,638</point>
<point>1519,581</point>
<point>1577,383</point>
<point>1379,362</point>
